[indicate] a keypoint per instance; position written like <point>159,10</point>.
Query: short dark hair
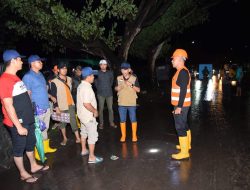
<point>2,68</point>
<point>7,64</point>
<point>62,65</point>
<point>78,67</point>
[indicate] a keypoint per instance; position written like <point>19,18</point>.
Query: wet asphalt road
<point>220,154</point>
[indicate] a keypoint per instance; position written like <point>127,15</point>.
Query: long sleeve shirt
<point>182,82</point>
<point>104,83</point>
<point>53,92</point>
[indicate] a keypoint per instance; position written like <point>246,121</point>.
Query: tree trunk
<point>127,43</point>
<point>154,53</point>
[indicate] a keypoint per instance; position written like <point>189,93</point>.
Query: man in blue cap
<point>87,113</point>
<point>38,91</point>
<point>127,87</point>
<point>18,115</point>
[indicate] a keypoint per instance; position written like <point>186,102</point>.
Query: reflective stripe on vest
<point>175,91</point>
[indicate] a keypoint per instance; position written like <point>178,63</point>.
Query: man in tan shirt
<point>127,87</point>
<point>87,113</point>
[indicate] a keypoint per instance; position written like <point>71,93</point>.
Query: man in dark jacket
<point>104,84</point>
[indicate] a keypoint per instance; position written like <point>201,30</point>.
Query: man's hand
<point>95,113</point>
<point>58,112</point>
<point>177,111</point>
<point>22,131</point>
<point>128,83</point>
<point>53,99</point>
<point>119,87</point>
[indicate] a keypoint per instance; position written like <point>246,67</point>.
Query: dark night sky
<point>224,37</point>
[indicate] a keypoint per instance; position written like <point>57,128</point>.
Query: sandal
<point>114,157</point>
<point>42,169</point>
<point>97,160</point>
<point>30,179</point>
<point>101,126</point>
<point>78,141</point>
<point>84,153</point>
<point>113,125</point>
<point>63,143</point>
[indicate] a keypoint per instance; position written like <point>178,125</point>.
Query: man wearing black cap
<point>38,91</point>
<point>61,89</point>
<point>127,87</point>
<point>18,115</point>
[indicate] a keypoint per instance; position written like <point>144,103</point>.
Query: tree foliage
<point>181,15</point>
<point>49,20</point>
<point>105,28</point>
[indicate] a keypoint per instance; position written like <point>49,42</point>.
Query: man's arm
<point>118,86</point>
<point>135,87</point>
<point>28,83</point>
<point>90,108</point>
<point>8,105</point>
<point>54,94</point>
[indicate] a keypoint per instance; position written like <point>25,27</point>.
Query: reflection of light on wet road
<point>220,85</point>
<point>153,150</point>
<point>206,90</point>
<point>210,90</point>
<point>197,91</point>
<point>179,171</point>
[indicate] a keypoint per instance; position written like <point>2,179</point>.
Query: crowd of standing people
<point>75,96</point>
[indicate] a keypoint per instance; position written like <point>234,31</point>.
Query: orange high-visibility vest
<point>175,91</point>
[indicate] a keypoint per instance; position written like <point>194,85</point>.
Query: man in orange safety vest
<point>181,100</point>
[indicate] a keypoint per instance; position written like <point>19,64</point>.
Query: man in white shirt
<point>87,113</point>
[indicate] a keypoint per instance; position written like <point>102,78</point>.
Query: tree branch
<point>157,11</point>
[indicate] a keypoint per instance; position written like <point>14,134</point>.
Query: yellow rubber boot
<point>37,157</point>
<point>184,149</point>
<point>189,141</point>
<point>123,132</point>
<point>47,148</point>
<point>134,132</point>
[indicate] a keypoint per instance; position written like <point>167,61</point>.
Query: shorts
<point>89,130</point>
<point>23,143</point>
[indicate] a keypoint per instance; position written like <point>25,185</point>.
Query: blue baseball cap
<point>125,65</point>
<point>33,58</point>
<point>11,54</point>
<point>87,71</point>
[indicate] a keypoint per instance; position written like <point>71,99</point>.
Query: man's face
<point>78,72</point>
<point>55,70</point>
<point>37,65</point>
<point>18,63</point>
<point>125,71</point>
<point>91,78</point>
<point>103,67</point>
<point>63,71</point>
<point>176,61</point>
